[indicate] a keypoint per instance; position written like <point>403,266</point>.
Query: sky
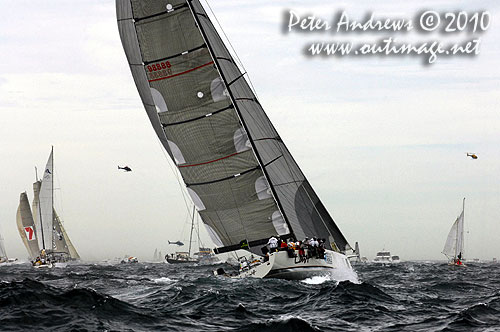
<point>383,140</point>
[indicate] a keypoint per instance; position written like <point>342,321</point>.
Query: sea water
<point>410,296</point>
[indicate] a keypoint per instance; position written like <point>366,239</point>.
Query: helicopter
<point>125,168</point>
<point>472,155</point>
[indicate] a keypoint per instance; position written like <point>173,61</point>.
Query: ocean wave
<point>58,307</point>
<point>162,280</point>
<point>151,297</point>
<point>283,323</point>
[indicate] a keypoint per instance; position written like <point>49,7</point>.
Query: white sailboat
<point>3,253</point>
<point>242,178</point>
<point>454,246</point>
<point>41,229</point>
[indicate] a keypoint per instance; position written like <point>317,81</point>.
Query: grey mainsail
<point>26,227</point>
<point>239,173</point>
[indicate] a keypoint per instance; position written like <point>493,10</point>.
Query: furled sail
<point>26,227</point>
<point>47,203</point>
<point>455,242</point>
<point>240,175</point>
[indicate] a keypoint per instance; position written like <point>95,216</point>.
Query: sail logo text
<point>159,70</point>
<point>159,66</point>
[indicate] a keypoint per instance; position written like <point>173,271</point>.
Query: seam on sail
<point>161,13</point>
<point>237,78</point>
<point>224,58</point>
<point>184,72</point>
<point>287,183</point>
<point>249,99</point>
<point>268,138</point>
<point>211,161</point>
<point>272,161</point>
<point>197,118</point>
<point>223,179</point>
<point>176,55</point>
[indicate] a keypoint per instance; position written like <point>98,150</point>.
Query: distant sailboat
<point>3,253</point>
<point>242,178</point>
<point>203,256</point>
<point>41,229</point>
<point>454,246</point>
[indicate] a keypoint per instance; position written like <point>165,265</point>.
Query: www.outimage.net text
<point>396,39</point>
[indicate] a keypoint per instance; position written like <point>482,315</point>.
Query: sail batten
<point>239,173</point>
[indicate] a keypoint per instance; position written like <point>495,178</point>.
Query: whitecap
<point>163,280</point>
<point>317,280</point>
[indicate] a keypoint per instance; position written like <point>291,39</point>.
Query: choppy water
<point>410,296</point>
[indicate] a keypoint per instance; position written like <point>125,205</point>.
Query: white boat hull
<point>280,265</point>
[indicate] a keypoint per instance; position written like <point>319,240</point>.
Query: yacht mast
<point>192,227</point>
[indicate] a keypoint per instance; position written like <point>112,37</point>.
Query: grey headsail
<point>66,244</point>
<point>238,171</point>
<point>26,227</point>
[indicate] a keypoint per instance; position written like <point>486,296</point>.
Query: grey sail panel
<point>130,44</point>
<point>26,227</point>
<point>69,245</point>
<point>59,242</point>
<point>301,206</point>
<point>199,125</point>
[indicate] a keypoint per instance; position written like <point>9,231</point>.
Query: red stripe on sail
<point>184,72</point>
<point>212,161</point>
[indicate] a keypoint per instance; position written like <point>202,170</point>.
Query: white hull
<point>281,266</point>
